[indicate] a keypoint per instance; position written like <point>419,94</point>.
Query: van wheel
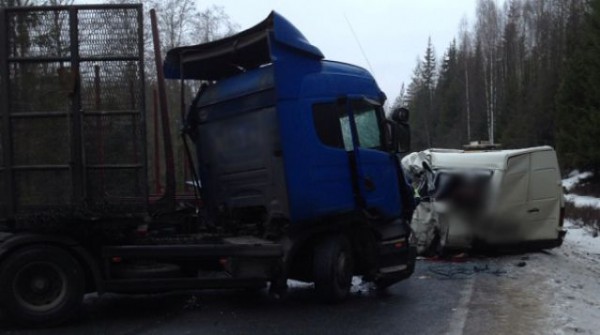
<point>333,269</point>
<point>41,286</point>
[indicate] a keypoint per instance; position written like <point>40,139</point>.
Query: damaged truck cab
<point>296,149</point>
<point>296,160</point>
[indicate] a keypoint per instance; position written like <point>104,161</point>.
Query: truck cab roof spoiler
<point>246,50</point>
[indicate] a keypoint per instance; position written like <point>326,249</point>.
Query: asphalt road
<point>430,302</point>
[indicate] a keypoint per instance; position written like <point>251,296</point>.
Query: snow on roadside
<point>571,274</point>
<point>579,200</point>
<point>582,238</point>
<point>578,235</point>
<point>583,201</point>
<point>574,178</point>
<point>572,271</point>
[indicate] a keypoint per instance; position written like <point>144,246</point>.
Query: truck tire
<point>333,269</point>
<point>41,286</point>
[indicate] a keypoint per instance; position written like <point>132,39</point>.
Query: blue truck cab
<point>298,148</point>
<point>298,167</point>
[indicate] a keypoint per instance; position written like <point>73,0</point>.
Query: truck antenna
<point>359,45</point>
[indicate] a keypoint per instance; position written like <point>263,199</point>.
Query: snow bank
<point>583,201</point>
<point>579,200</point>
<point>582,237</point>
<point>574,178</point>
<point>578,235</point>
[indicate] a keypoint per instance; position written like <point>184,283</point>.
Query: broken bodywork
<point>496,199</point>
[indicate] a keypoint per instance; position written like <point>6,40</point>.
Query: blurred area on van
<point>500,199</point>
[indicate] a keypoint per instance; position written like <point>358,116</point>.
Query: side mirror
<point>398,136</point>
<point>403,137</point>
<point>400,115</point>
<point>393,134</point>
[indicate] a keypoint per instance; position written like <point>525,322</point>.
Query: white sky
<point>392,32</point>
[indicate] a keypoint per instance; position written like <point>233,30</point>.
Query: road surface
<point>505,295</point>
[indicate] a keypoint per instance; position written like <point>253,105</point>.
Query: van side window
<point>327,123</point>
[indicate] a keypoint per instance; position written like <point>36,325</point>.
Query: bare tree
<point>488,27</point>
<point>465,50</point>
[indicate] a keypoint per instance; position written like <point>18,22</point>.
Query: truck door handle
<point>534,210</point>
<point>369,184</point>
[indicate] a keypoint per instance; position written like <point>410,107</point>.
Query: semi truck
<point>294,162</point>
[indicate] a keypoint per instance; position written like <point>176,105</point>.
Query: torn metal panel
<point>501,197</point>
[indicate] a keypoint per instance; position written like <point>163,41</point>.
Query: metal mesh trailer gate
<point>72,108</point>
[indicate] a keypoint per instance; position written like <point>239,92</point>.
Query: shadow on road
<point>218,310</point>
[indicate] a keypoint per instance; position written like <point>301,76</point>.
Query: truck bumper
<point>397,261</point>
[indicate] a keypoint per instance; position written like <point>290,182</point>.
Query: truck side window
<point>367,126</point>
<point>327,124</point>
<point>334,130</point>
<point>346,132</point>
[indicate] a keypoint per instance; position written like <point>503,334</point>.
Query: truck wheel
<point>333,269</point>
<point>41,286</point>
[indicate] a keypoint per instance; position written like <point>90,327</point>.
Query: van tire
<point>333,268</point>
<point>41,286</point>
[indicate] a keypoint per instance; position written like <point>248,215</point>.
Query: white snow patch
<point>567,278</point>
<point>582,238</point>
<point>583,200</point>
<point>574,178</point>
<point>358,285</point>
<point>361,287</point>
<point>299,284</point>
<point>579,200</point>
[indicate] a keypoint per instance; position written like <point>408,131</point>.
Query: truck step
<point>194,251</point>
<point>166,284</point>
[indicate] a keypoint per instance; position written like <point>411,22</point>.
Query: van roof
<point>494,159</point>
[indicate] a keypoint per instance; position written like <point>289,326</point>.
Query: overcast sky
<point>392,32</point>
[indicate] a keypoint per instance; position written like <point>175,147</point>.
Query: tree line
<point>525,73</point>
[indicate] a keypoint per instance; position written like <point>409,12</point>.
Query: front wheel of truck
<point>333,269</point>
<point>41,286</point>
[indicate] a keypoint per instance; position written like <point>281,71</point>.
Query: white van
<point>488,198</point>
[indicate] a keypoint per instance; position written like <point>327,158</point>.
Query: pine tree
<point>428,75</point>
<point>400,100</point>
<point>578,117</point>
<point>449,100</point>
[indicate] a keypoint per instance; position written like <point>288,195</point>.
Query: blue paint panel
<point>284,32</point>
<point>241,85</point>
<point>239,53</point>
<point>380,168</point>
<point>318,178</point>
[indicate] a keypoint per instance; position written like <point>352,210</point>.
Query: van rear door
<point>544,196</point>
<point>528,208</point>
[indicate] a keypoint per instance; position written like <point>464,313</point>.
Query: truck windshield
<point>367,127</point>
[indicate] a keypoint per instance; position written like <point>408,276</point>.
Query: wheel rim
<point>40,286</point>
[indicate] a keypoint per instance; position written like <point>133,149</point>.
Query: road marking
<point>459,317</point>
